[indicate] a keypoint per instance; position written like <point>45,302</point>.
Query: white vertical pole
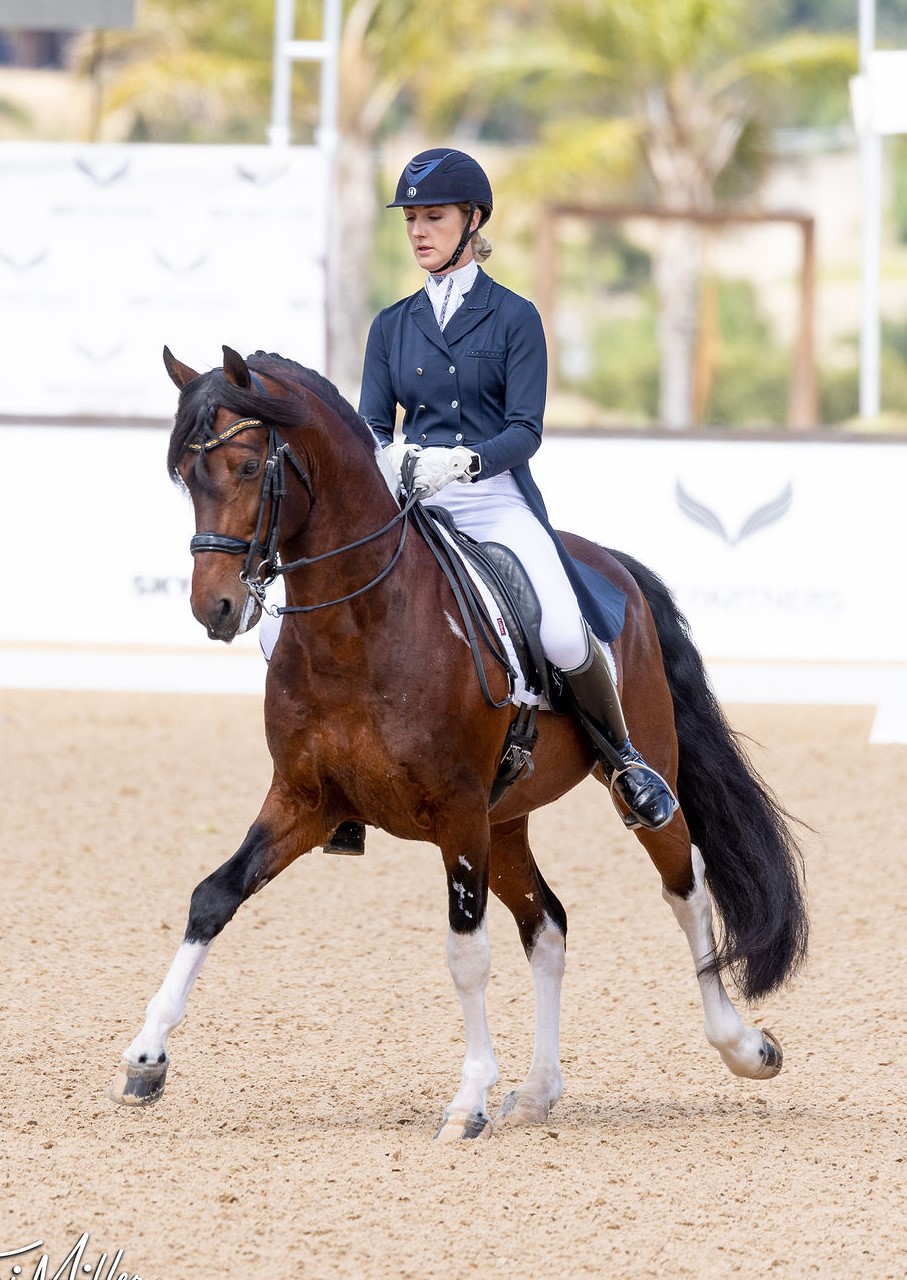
<point>281,83</point>
<point>330,77</point>
<point>871,237</point>
<point>327,52</point>
<point>328,141</point>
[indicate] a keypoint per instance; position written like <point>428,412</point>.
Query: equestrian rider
<point>466,360</point>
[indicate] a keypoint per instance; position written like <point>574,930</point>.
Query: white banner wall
<point>775,551</point>
<point>107,253</point>
<point>781,551</point>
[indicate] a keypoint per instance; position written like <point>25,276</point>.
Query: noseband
<point>263,548</point>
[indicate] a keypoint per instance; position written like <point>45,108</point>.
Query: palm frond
<point>792,58</point>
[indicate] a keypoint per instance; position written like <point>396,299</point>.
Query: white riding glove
<point>396,452</point>
<point>437,467</point>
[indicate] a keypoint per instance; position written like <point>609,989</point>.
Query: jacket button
<point>419,371</point>
<point>454,404</point>
<point>423,437</point>
<point>452,369</point>
<point>459,436</point>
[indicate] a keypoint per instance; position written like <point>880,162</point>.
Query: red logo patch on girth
<point>501,627</point>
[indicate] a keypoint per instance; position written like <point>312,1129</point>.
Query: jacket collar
<point>476,303</point>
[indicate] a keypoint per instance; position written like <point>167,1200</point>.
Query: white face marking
<point>249,616</point>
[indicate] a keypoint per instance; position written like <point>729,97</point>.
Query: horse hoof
<point>772,1056</point>
<point>456,1128</point>
<point>519,1109</point>
<point>139,1086</point>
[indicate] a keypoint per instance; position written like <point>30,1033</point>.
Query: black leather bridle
<point>262,565</point>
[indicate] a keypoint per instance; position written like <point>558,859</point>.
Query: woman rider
<point>466,359</point>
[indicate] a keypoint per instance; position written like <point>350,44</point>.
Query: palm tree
<point>197,72</point>
<point>669,97</point>
<point>202,72</point>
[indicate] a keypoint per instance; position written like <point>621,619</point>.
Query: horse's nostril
<point>225,609</point>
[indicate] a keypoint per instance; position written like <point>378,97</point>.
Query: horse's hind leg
<point>274,841</point>
<point>747,1051</point>
<point>542,924</point>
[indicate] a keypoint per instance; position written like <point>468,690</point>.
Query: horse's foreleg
<point>142,1071</point>
<point>469,960</point>
<point>542,923</point>
<point>273,843</point>
<point>752,1052</point>
<point>531,1102</point>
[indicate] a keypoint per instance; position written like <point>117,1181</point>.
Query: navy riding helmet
<point>440,176</point>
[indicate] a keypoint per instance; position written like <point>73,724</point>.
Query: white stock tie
<point>445,297</point>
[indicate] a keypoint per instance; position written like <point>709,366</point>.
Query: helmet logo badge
<point>410,192</point>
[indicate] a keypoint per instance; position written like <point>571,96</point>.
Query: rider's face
<point>434,232</point>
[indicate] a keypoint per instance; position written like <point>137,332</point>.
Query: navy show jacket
<point>480,383</point>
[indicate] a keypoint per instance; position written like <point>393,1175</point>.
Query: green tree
<point>197,72</point>
<point>672,101</point>
<point>202,72</point>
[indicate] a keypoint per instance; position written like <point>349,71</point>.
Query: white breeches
<point>494,510</point>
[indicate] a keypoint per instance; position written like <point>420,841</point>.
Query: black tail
<point>754,868</point>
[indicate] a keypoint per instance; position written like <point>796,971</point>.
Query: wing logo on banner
<point>20,263</point>
<point>99,355</point>
<point>261,177</point>
<point>180,268</point>
<point>769,513</point>
<point>100,177</point>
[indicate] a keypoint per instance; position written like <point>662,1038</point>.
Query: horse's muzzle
<point>226,617</point>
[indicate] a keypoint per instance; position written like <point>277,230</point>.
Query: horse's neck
<point>351,499</point>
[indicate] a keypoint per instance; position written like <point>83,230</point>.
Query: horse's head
<point>252,488</point>
<point>223,450</point>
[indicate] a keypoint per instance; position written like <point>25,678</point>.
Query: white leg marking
<point>740,1046</point>
<point>469,959</point>
<point>548,963</point>
<point>167,1008</point>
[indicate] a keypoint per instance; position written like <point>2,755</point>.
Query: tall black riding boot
<point>349,838</point>
<point>594,697</point>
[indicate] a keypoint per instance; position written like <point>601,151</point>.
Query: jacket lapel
<point>476,306</point>
<point>423,315</point>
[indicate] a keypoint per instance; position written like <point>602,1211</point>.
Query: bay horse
<point>373,713</point>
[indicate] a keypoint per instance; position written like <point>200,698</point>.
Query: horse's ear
<point>236,369</point>
<point>180,373</point>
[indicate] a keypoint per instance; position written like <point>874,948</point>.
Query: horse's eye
<point>250,467</point>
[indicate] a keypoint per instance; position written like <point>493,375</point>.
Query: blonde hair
<point>481,248</point>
